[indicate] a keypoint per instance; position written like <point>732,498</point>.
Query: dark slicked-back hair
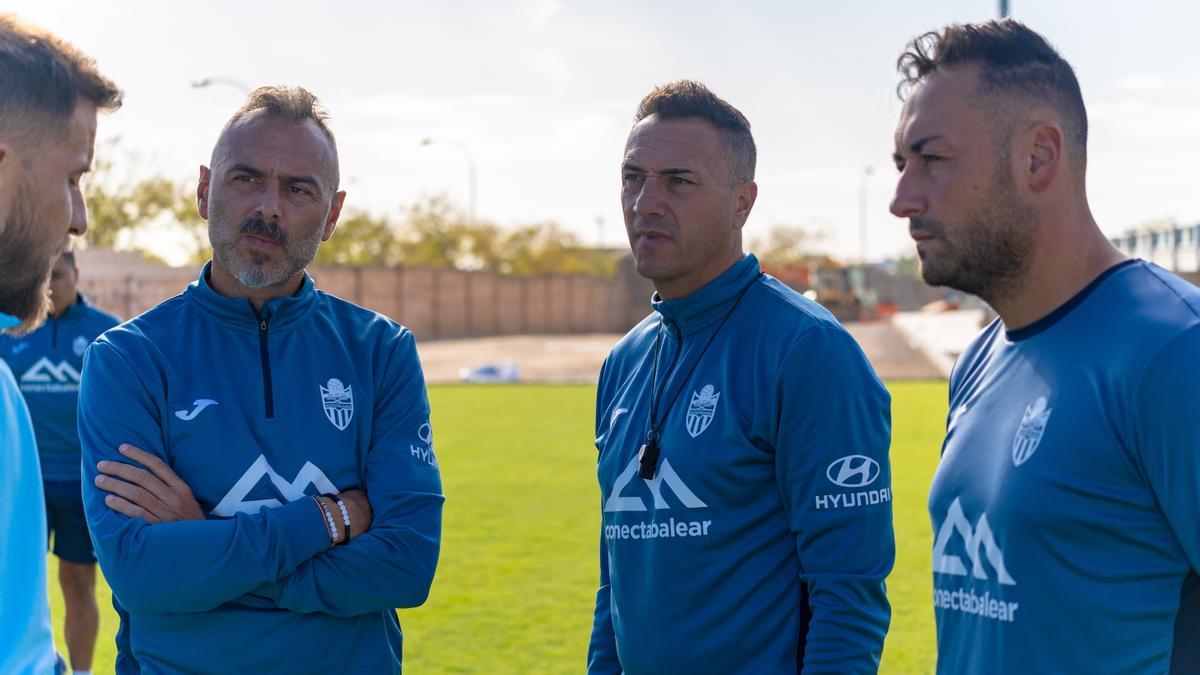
<point>688,99</point>
<point>293,104</point>
<point>41,79</point>
<point>1015,63</point>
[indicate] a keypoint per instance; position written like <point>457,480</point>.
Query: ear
<point>744,196</point>
<point>335,210</point>
<point>202,191</point>
<point>10,178</point>
<point>1045,153</point>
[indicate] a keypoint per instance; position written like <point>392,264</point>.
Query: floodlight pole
<point>1003,9</point>
<point>862,215</point>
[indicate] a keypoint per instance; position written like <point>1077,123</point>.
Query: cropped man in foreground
<point>49,96</point>
<point>1066,508</point>
<point>743,437</point>
<point>258,461</point>
<point>47,363</point>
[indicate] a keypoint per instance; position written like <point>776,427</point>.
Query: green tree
<point>433,234</point>
<point>784,244</point>
<point>545,248</point>
<point>120,208</point>
<point>360,240</point>
<point>430,233</point>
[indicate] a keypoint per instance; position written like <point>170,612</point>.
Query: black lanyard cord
<point>650,450</point>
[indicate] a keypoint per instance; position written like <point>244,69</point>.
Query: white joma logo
<point>45,372</point>
<point>980,535</point>
<point>201,404</point>
<point>666,474</point>
<point>235,500</point>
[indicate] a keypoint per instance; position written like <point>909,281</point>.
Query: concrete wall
<point>433,303</point>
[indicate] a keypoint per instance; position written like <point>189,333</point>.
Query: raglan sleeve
<point>392,564</point>
<point>1167,436</point>
<point>833,431</point>
<point>184,566</point>
<point>602,647</point>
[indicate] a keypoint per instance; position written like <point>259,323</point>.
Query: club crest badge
<point>1029,434</point>
<point>338,401</point>
<point>700,412</point>
<point>80,345</point>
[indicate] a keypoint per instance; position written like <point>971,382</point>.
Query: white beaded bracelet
<point>345,513</point>
<point>333,537</point>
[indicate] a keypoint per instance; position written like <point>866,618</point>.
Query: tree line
<point>430,233</point>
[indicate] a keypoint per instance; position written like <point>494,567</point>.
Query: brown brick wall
<point>433,303</point>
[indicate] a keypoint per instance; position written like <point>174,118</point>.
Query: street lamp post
<point>228,81</point>
<point>862,214</point>
<point>471,185</point>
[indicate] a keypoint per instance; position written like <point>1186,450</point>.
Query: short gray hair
<point>293,104</point>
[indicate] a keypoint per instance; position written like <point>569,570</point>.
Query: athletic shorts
<point>64,516</point>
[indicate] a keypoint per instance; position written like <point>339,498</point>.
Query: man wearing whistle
<point>743,437</point>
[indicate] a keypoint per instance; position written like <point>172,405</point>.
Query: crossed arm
<point>159,553</point>
<point>157,494</point>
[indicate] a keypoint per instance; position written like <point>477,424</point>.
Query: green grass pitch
<point>517,577</point>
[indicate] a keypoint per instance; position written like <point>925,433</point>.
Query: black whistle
<point>648,459</point>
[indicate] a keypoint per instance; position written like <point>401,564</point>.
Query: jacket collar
<point>693,313</point>
<point>70,310</point>
<point>239,314</point>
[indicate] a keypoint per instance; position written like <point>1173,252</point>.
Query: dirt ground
<point>539,358</point>
<point>577,358</point>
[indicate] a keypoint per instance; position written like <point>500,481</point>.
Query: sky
<point>539,96</point>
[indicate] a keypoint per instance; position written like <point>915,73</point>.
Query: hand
<point>157,495</point>
<point>359,509</point>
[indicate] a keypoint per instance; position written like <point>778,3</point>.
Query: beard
<point>256,269</point>
<point>25,281</point>
<point>987,253</point>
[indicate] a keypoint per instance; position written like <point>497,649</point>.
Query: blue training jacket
<point>255,413</point>
<point>762,542</point>
<point>47,363</point>
<point>26,644</point>
<point>1066,508</point>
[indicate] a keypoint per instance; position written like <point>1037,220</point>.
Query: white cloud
<point>1138,120</point>
<point>537,14</point>
<point>1156,84</point>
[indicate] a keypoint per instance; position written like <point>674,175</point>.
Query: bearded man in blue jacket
<point>50,95</point>
<point>1066,505</point>
<point>259,471</point>
<point>743,437</point>
<point>47,363</point>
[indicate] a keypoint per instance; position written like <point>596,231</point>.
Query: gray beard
<point>258,273</point>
